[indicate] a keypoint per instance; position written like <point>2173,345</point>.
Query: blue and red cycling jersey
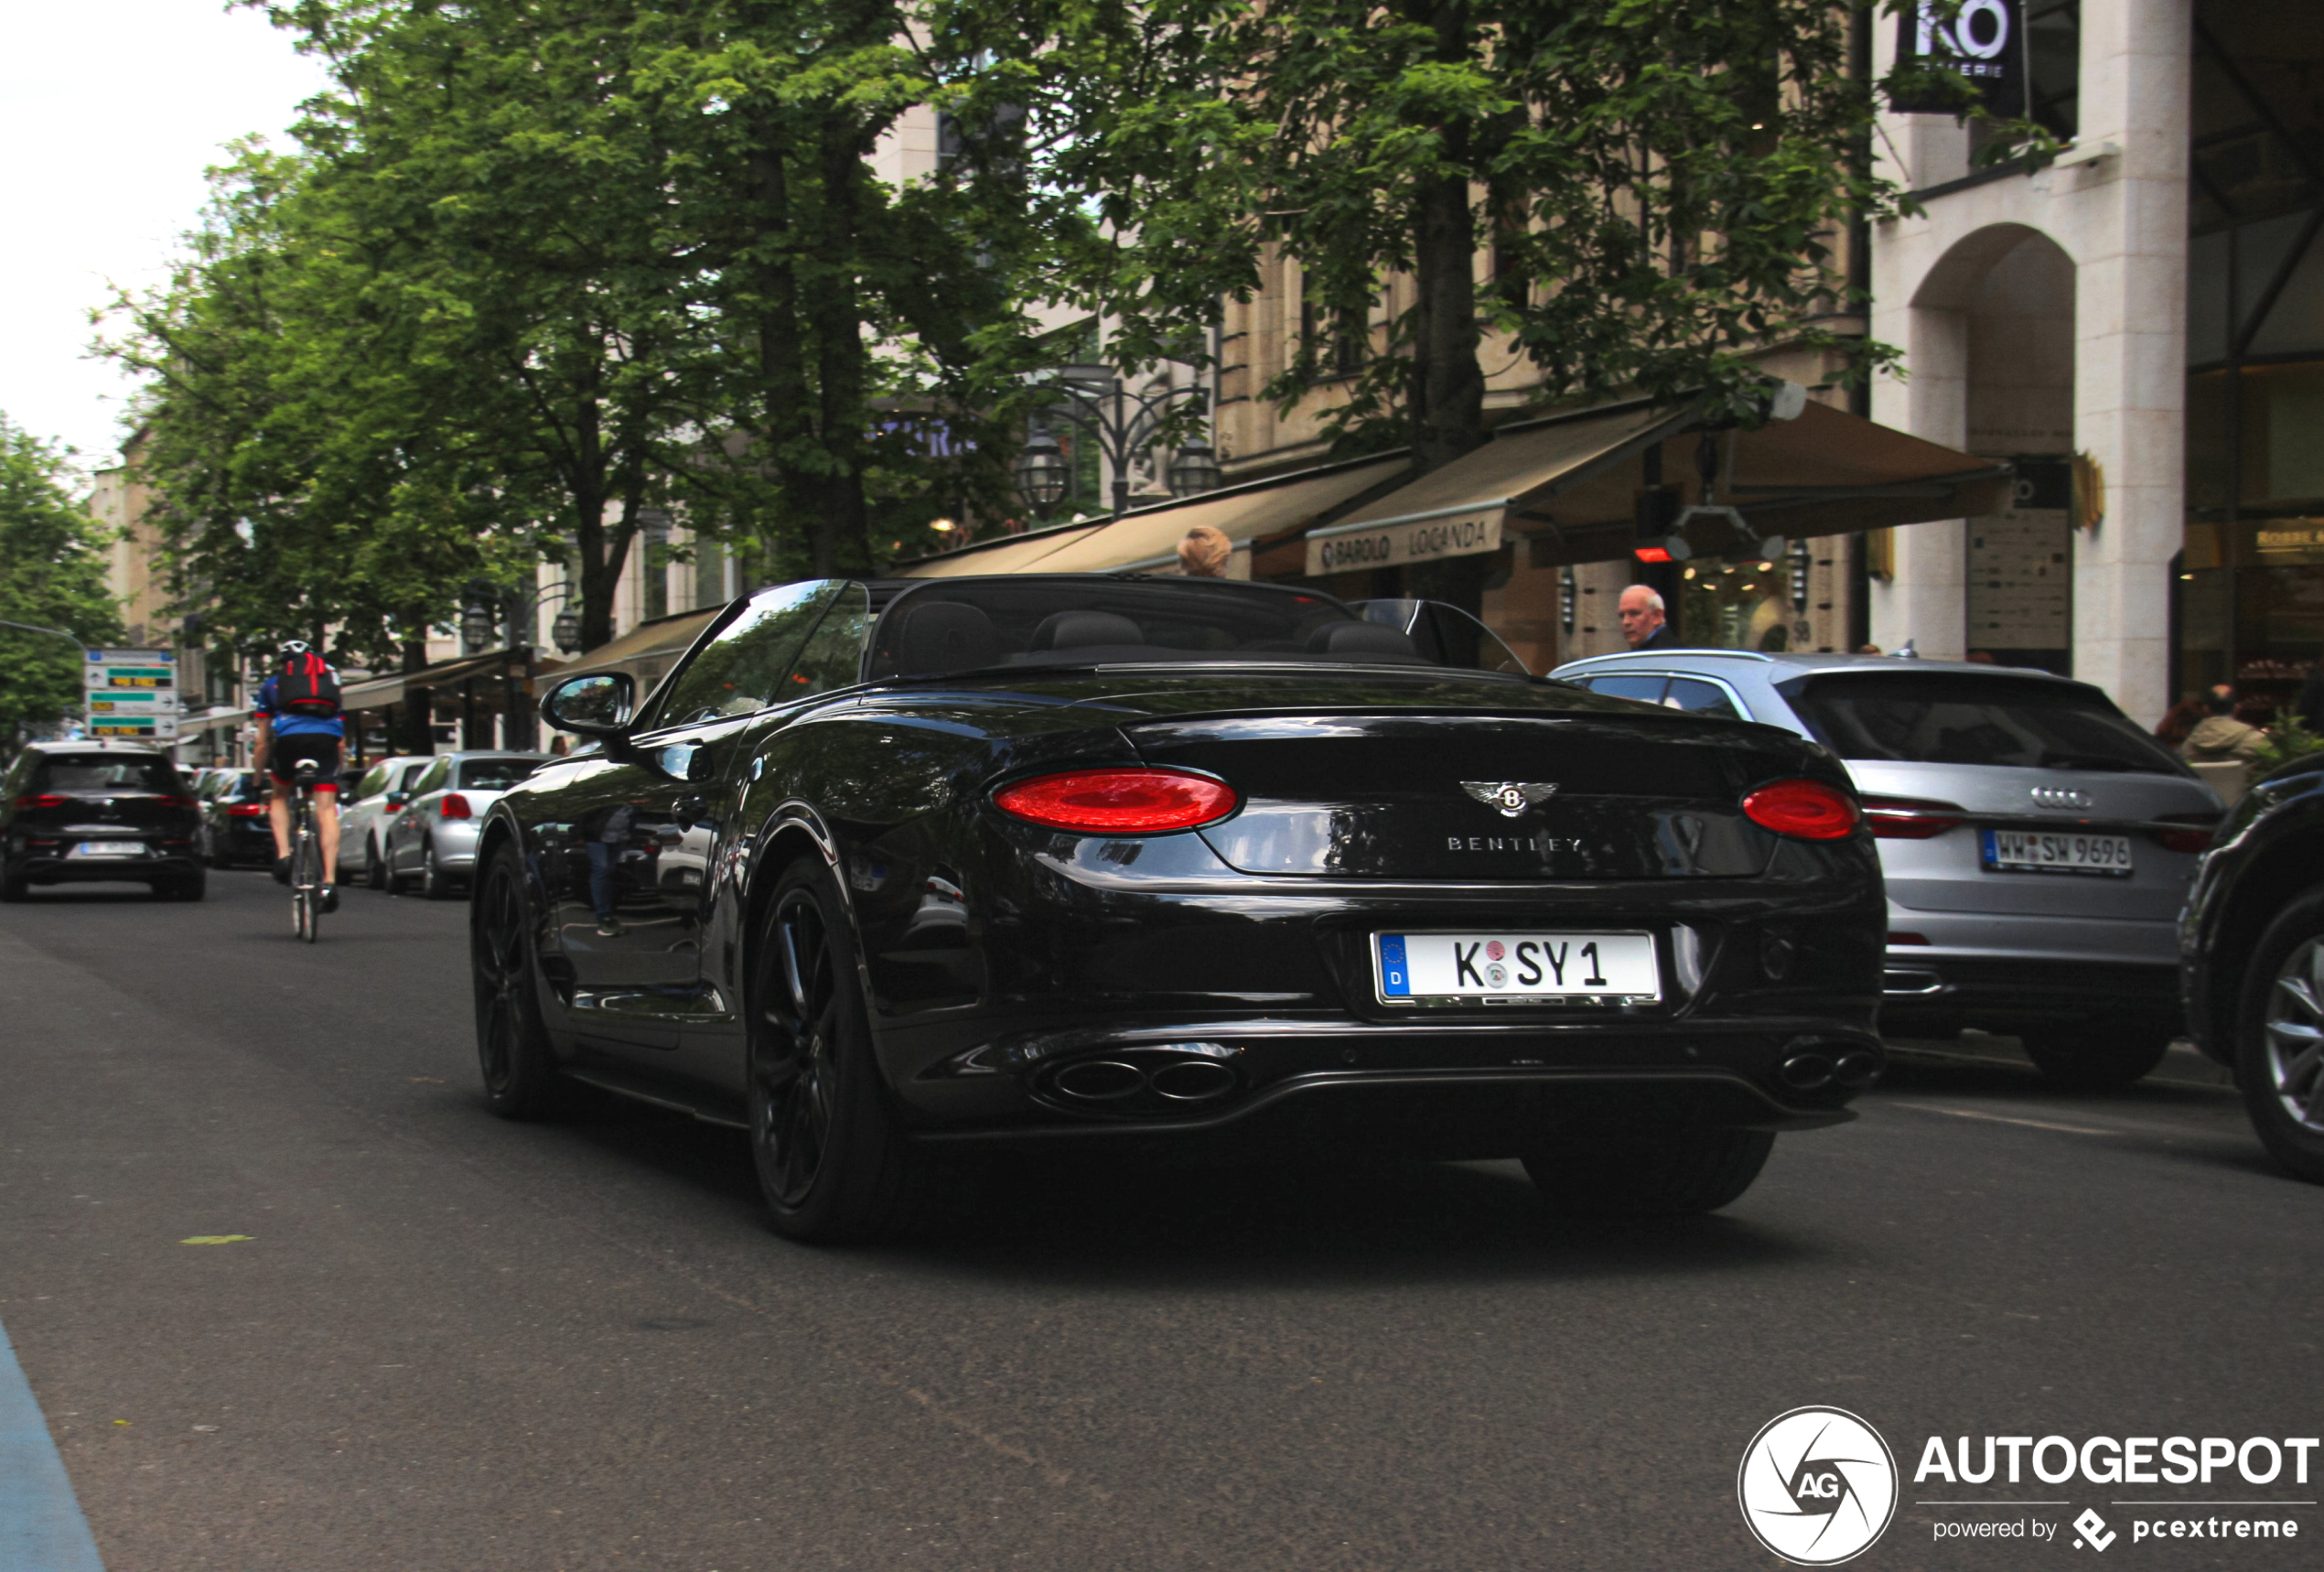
<point>287,725</point>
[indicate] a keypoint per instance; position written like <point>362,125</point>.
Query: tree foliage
<point>52,574</point>
<point>1657,189</point>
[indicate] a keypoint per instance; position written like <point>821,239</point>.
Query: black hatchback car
<point>887,873</point>
<point>236,831</point>
<point>2252,960</point>
<point>71,812</point>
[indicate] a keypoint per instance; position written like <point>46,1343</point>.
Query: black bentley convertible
<point>887,874</point>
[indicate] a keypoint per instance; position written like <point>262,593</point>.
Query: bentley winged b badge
<point>1511,797</point>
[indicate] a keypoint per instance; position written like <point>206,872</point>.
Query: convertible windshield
<point>968,624</point>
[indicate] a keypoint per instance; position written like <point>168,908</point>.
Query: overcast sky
<point>110,110</point>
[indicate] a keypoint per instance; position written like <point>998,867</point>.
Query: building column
<point>2130,351</point>
<point>1927,602</point>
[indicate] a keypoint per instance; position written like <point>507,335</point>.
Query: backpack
<point>307,686</point>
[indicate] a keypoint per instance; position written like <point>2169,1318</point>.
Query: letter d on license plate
<point>1516,967</point>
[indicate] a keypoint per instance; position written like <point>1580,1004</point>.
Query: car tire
<point>2279,1038</point>
<point>2104,1055</point>
<point>1681,1173</point>
<point>434,885</point>
<point>189,886</point>
<point>834,1163</point>
<point>396,882</point>
<point>512,1046</point>
<point>374,871</point>
<point>13,890</point>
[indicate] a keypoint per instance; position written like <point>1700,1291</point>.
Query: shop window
<point>2283,432</point>
<point>2206,304</point>
<point>2053,65</point>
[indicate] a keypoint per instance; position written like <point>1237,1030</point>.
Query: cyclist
<point>298,717</point>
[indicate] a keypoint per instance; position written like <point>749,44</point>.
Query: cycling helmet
<point>295,647</point>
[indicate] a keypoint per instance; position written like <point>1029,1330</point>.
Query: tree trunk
<point>419,736</point>
<point>1447,384</point>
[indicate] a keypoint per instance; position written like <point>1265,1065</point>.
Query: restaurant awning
<point>647,650</point>
<point>378,692</point>
<point>1572,481</point>
<point>1005,554</point>
<point>215,720</point>
<point>1149,538</point>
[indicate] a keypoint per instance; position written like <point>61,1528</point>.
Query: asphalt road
<point>452,1344</point>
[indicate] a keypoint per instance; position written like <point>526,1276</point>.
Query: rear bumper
<point>1934,992</point>
<point>37,869</point>
<point>1451,1091</point>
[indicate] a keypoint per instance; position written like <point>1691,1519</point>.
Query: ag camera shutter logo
<point>1817,1486</point>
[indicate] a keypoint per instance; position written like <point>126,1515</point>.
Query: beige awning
<point>647,650</point>
<point>1572,482</point>
<point>1149,537</point>
<point>378,692</point>
<point>1007,553</point>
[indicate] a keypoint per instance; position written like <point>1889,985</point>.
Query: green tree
<point>52,574</point>
<point>1658,185</point>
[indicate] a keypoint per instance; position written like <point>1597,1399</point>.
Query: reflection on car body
<point>891,872</point>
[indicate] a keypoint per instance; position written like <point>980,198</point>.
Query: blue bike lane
<point>41,1528</point>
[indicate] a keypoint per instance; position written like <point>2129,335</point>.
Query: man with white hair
<point>1640,611</point>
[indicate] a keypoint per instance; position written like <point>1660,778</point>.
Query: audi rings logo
<point>1817,1486</point>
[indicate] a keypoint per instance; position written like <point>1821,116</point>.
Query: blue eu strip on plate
<point>1395,977</point>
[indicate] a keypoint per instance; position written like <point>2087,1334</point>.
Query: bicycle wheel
<point>303,915</point>
<point>306,873</point>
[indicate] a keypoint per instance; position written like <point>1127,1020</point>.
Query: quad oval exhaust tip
<point>1192,1081</point>
<point>1807,1072</point>
<point>1857,1069</point>
<point>1100,1080</point>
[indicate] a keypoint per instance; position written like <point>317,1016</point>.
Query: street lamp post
<point>1093,400</point>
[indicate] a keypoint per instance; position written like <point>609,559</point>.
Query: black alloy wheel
<point>832,1164</point>
<point>512,1047</point>
<point>2105,1054</point>
<point>1678,1173</point>
<point>374,871</point>
<point>2279,1043</point>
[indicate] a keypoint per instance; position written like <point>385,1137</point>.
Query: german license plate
<point>1517,967</point>
<point>109,849</point>
<point>2050,851</point>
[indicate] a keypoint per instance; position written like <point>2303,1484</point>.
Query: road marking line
<point>41,1528</point>
<point>2005,1119</point>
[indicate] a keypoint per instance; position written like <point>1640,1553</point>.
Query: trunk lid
<point>1472,797</point>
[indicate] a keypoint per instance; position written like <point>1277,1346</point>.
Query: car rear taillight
<point>1808,809</point>
<point>1910,818</point>
<point>1122,802</point>
<point>2196,837</point>
<point>246,811</point>
<point>452,805</point>
<point>181,801</point>
<point>42,800</point>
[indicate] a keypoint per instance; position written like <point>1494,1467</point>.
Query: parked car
<point>430,839</point>
<point>2037,843</point>
<point>236,831</point>
<point>889,873</point>
<point>364,810</point>
<point>97,810</point>
<point>2252,960</point>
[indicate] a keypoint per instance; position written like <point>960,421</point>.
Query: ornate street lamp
<point>478,622</point>
<point>1195,470</point>
<point>1042,475</point>
<point>1093,400</point>
<point>566,632</point>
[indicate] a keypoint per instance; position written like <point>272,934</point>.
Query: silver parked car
<point>2037,843</point>
<point>363,817</point>
<point>432,837</point>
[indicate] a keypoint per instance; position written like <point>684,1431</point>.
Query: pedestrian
<point>2219,737</point>
<point>1870,649</point>
<point>560,745</point>
<point>1640,611</point>
<point>2180,720</point>
<point>1204,553</point>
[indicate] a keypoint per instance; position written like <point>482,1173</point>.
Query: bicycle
<point>306,853</point>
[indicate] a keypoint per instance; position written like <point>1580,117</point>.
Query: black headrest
<point>945,636</point>
<point>1360,639</point>
<point>1084,630</point>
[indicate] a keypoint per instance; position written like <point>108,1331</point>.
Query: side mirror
<point>598,704</point>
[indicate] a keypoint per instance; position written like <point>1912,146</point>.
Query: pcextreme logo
<point>1817,1486</point>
